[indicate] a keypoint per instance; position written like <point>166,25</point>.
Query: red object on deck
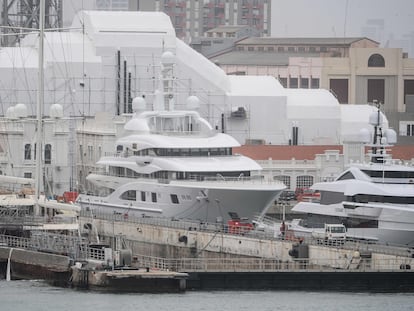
<point>70,196</point>
<point>239,227</point>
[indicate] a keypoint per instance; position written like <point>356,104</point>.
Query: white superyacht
<point>174,164</point>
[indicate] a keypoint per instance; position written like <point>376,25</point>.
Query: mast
<point>39,106</point>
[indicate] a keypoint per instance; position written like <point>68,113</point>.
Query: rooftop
<point>302,41</point>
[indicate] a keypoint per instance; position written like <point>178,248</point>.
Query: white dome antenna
<point>139,104</point>
<point>193,102</point>
<point>391,136</point>
<point>167,58</point>
<point>11,113</point>
<point>56,111</point>
<point>20,111</point>
<point>365,135</point>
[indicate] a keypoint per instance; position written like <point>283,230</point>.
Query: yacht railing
<point>202,178</point>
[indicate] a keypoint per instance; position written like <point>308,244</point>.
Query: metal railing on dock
<point>267,265</point>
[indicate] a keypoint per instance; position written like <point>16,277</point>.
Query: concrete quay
<point>180,239</point>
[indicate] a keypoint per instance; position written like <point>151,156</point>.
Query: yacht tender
<point>174,164</point>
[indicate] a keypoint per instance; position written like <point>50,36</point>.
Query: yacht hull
<point>207,202</point>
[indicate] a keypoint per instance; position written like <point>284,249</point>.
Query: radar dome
<point>376,118</point>
<point>11,113</point>
<point>138,104</point>
<point>20,111</point>
<point>391,136</point>
<point>365,135</point>
<point>56,111</point>
<point>167,58</point>
<point>193,103</point>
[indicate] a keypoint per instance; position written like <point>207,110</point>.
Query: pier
<point>149,254</point>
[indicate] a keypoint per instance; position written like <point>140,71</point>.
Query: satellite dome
<point>56,111</point>
<point>11,113</point>
<point>373,118</point>
<point>365,135</point>
<point>138,104</point>
<point>391,136</point>
<point>193,103</point>
<point>20,111</point>
<point>167,58</point>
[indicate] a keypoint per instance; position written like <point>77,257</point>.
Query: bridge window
<point>129,195</point>
<point>174,199</point>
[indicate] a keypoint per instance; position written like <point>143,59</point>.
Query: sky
<point>390,22</point>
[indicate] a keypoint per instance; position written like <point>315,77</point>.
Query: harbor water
<point>38,295</point>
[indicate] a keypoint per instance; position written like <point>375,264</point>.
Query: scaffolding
<point>19,16</point>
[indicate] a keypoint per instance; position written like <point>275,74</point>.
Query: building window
<point>410,129</point>
<point>304,181</point>
<point>28,152</point>
<point>291,49</point>
<point>301,49</point>
<point>153,197</point>
<point>304,83</point>
<point>280,49</point>
<point>261,48</point>
<point>90,153</point>
<point>250,49</point>
<point>314,83</point>
<point>406,128</point>
<point>409,94</point>
<point>284,179</point>
<point>339,87</point>
<point>143,198</point>
<point>48,154</point>
<point>270,49</point>
<point>376,90</point>
<point>283,81</point>
<point>376,60</point>
<point>293,83</point>
<point>312,49</point>
<point>323,49</point>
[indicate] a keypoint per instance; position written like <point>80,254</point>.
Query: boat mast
<point>39,109</point>
<point>377,143</point>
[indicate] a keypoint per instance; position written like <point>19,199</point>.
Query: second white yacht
<point>374,200</point>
